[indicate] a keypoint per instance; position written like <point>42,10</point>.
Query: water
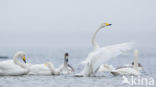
<point>55,55</point>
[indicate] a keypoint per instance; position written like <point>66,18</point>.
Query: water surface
<point>55,55</point>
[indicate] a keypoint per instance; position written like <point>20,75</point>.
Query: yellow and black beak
<point>24,59</point>
<point>107,24</point>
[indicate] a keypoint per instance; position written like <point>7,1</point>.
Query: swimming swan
<point>102,55</point>
<point>66,68</point>
<point>63,69</point>
<point>140,67</point>
<point>14,67</point>
<point>128,70</point>
<point>49,69</point>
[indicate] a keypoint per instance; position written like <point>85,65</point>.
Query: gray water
<point>55,55</point>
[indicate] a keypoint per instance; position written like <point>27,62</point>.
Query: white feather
<point>103,55</point>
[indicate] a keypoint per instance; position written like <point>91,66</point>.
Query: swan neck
<point>65,60</point>
<point>16,61</point>
<point>52,69</point>
<point>136,60</point>
<point>94,43</point>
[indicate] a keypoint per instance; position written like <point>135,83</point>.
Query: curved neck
<point>16,61</point>
<point>94,43</point>
<point>52,69</point>
<point>65,61</point>
<point>136,60</point>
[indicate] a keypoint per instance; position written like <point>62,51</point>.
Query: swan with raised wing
<point>100,56</point>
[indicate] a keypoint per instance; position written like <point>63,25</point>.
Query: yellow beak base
<point>24,59</point>
<point>107,24</point>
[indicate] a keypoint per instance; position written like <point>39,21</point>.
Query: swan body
<point>125,71</point>
<point>140,67</point>
<point>14,67</point>
<point>39,69</point>
<point>100,56</point>
<point>49,69</point>
<point>66,68</point>
<point>129,69</point>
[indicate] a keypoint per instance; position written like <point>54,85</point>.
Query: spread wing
<point>102,55</point>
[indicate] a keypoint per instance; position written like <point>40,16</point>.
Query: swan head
<point>105,24</point>
<point>66,57</point>
<point>22,55</point>
<point>139,65</point>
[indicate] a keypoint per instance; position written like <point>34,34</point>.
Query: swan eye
<point>24,59</point>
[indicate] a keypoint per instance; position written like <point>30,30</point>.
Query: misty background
<point>71,23</point>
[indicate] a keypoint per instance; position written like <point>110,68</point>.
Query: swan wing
<point>102,55</point>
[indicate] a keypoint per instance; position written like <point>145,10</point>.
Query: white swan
<point>103,67</point>
<point>101,55</point>
<point>66,68</point>
<point>128,70</point>
<point>140,67</point>
<point>14,67</point>
<point>63,69</point>
<point>49,69</point>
